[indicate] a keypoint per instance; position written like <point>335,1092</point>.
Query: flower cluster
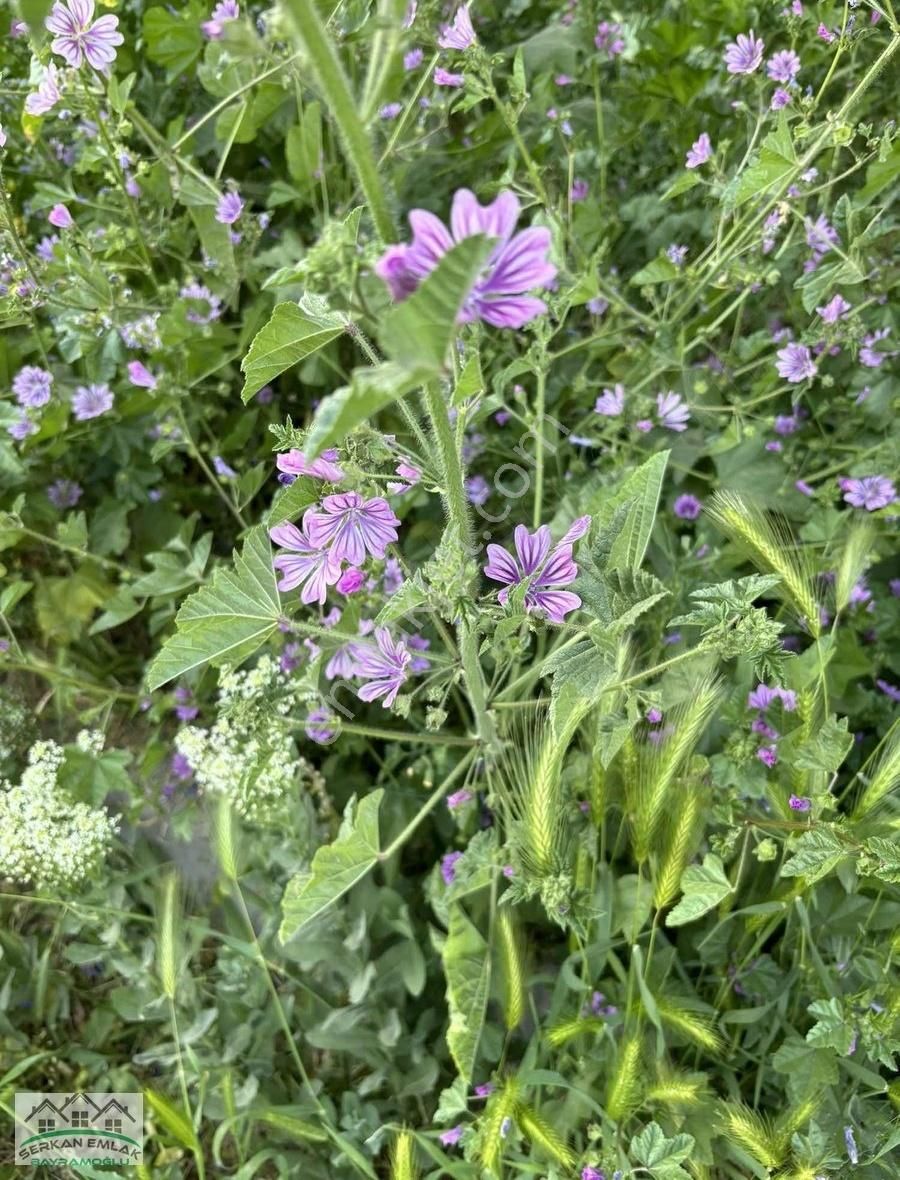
<point>48,839</point>
<point>761,699</point>
<point>543,570</point>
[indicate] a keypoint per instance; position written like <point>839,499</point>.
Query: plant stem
<point>540,407</point>
<point>457,508</point>
<point>196,1148</point>
<point>404,735</point>
<point>341,103</point>
<point>436,796</point>
<point>207,470</point>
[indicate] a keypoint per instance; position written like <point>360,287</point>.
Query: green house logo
<point>79,1129</point>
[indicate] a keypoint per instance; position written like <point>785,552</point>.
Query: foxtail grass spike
<point>512,968</point>
<point>884,775</point>
<point>540,1132</point>
<point>167,935</point>
<point>403,1157</point>
<point>753,1133</point>
<point>623,1094</point>
<point>680,846</point>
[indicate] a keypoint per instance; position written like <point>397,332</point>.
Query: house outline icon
<point>117,1105</point>
<point>46,1103</point>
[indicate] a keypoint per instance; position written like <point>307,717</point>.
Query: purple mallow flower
<point>325,467</point>
<point>350,581</point>
<point>579,190</point>
<point>90,401</point>
<point>195,294</point>
<point>351,526</point>
<point>64,493</point>
<point>229,209</point>
<point>745,54</point>
<point>517,264</point>
<point>607,39</point>
<point>589,1173</point>
<point>687,507</point>
<point>140,375</point>
<point>60,217</point>
<point>546,571</point>
<point>306,564</point>
<point>611,403</point>
<point>820,235</point>
<point>31,385</point>
<point>783,66</point>
<point>700,152</point>
<point>459,799</point>
<point>870,492</point>
<point>452,1137</point>
<point>460,34</point>
<point>413,59</point>
<point>780,99</point>
<point>47,95</point>
<point>673,414</point>
<point>225,11</point>
<point>799,803</point>
<point>383,664</point>
<point>320,726</point>
<point>795,363</point>
<point>444,77</point>
<point>448,866</point>
<point>80,38</point>
<point>834,309</point>
<point>768,755</point>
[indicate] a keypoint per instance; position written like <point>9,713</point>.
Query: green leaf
<point>703,888</point>
<point>815,854</point>
<point>225,621</point>
<point>417,334</point>
<point>775,162</point>
<point>289,502</point>
<point>174,38</point>
<point>174,1120</point>
<point>335,868</point>
<point>404,601</point>
<point>832,1029</point>
<point>634,506</point>
<point>661,1155</point>
<point>687,180</point>
<point>659,270</point>
<point>825,751</point>
<point>289,337</point>
<point>369,391</point>
<point>580,673</point>
<point>470,383</point>
<point>467,968</point>
<point>303,146</point>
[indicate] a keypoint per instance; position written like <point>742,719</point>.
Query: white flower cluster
<point>248,755</point>
<point>46,839</point>
<point>90,741</point>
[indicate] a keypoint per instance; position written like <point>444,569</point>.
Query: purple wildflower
<point>804,488</point>
<point>44,248</point>
<point>90,401</point>
<point>589,1173</point>
<point>611,403</point>
<point>672,412</point>
<point>780,99</point>
<point>477,489</point>
<point>546,572</point>
<point>452,1137</point>
<point>834,309</point>
<point>325,467</point>
<point>320,726</point>
<point>390,110</point>
<point>869,356</point>
<point>64,493</point>
<point>31,385</point>
<point>783,66</point>
<point>352,526</point>
<point>444,77</point>
<point>185,709</point>
<point>140,375</point>
<point>607,39</point>
<point>700,152</point>
<point>687,507</point>
<point>768,755</point>
<point>222,13</point>
<point>22,428</point>
<point>459,35</point>
<point>410,475</point>
<point>229,209</point>
<point>894,587</point>
<point>448,866</point>
<point>413,59</point>
<point>579,191</point>
<point>870,492</point>
<point>350,581</point>
<point>676,254</point>
<point>517,264</point>
<point>890,690</point>
<point>80,38</point>
<point>384,664</point>
<point>597,306</point>
<point>60,217</point>
<point>307,564</point>
<point>795,363</point>
<point>484,1090</point>
<point>222,469</point>
<point>799,803</point>
<point>195,294</point>
<point>825,33</point>
<point>654,716</point>
<point>820,235</point>
<point>785,424</point>
<point>745,54</point>
<point>850,1144</point>
<point>47,95</point>
<point>762,696</point>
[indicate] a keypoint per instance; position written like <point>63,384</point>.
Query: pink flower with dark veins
<point>79,38</point>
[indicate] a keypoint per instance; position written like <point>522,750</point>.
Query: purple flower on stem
<point>352,526</point>
<point>795,363</point>
<point>700,152</point>
<point>783,66</point>
<point>589,1173</point>
<point>185,709</point>
<point>870,492</point>
<point>890,690</point>
<point>140,375</point>
<point>80,38</point>
<point>850,1144</point>
<point>768,755</point>
<point>597,306</point>
<point>390,110</point>
<point>413,59</point>
<point>545,571</point>
<point>47,95</point>
<point>607,39</point>
<point>225,11</point>
<point>672,412</point>
<point>799,803</point>
<point>229,209</point>
<point>350,581</point>
<point>780,99</point>
<point>444,77</point>
<point>320,726</point>
<point>60,217</point>
<point>31,385</point>
<point>745,54</point>
<point>384,664</point>
<point>687,507</point>
<point>195,294</point>
<point>90,401</point>
<point>579,191</point>
<point>834,309</point>
<point>762,696</point>
<point>22,428</point>
<point>448,866</point>
<point>459,35</point>
<point>611,403</point>
<point>63,493</point>
<point>517,264</point>
<point>820,235</point>
<point>307,564</point>
<point>459,799</point>
<point>325,467</point>
<point>223,469</point>
<point>676,254</point>
<point>452,1137</point>
<point>477,489</point>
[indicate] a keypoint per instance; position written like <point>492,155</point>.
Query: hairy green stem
<point>336,92</point>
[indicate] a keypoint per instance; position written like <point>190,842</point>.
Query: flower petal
<point>510,311</point>
<point>522,265</point>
